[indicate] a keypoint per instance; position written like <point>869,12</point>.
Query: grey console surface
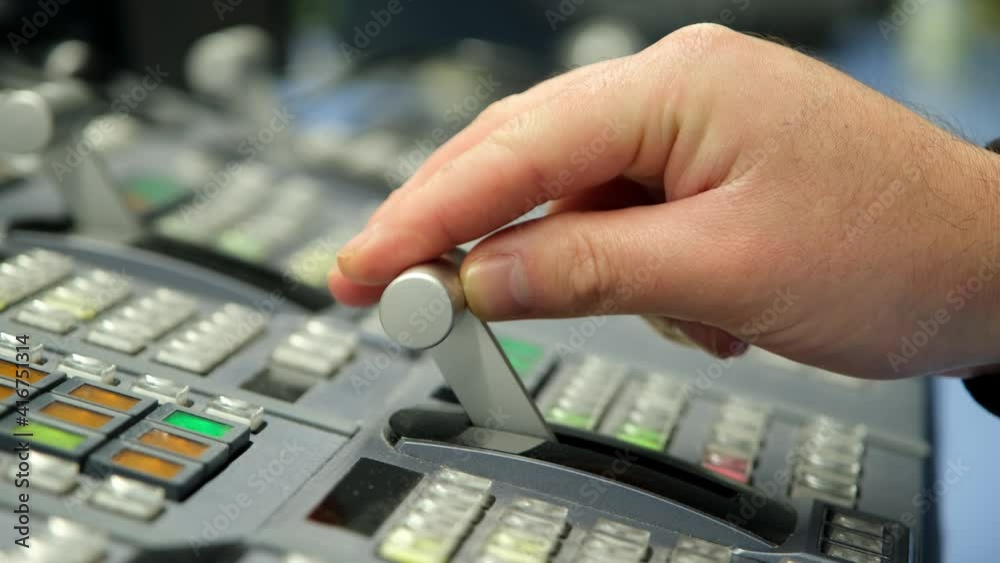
<point>257,430</point>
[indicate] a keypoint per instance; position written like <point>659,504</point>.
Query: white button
<point>129,497</point>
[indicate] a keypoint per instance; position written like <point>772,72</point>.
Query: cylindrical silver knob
<point>421,306</point>
<point>425,308</point>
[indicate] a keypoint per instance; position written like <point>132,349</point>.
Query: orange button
<point>11,371</point>
<point>148,464</point>
<point>5,392</point>
<point>75,415</point>
<point>173,443</point>
<point>110,399</point>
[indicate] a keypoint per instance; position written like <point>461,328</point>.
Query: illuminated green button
<point>242,245</point>
<point>523,356</point>
<point>568,418</point>
<point>152,192</point>
<point>641,436</point>
<point>197,424</point>
<point>51,436</point>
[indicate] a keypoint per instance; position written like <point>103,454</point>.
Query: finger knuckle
<point>589,279</point>
<point>696,42</point>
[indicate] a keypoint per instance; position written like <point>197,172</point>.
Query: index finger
<point>583,137</point>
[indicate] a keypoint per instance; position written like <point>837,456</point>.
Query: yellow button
<point>148,464</point>
<point>109,399</point>
<point>173,443</point>
<point>75,415</point>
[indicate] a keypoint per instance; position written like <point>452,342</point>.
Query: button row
<point>610,541</point>
<point>528,531</point>
<point>437,517</point>
<point>735,440</point>
<point>205,217</point>
<point>695,550</point>
<point>580,394</point>
<point>855,538</point>
<point>202,346</point>
<point>647,411</point>
<point>319,349</point>
<point>82,298</point>
<point>142,322</point>
<point>88,423</point>
<point>275,223</point>
<point>828,461</point>
<point>29,273</point>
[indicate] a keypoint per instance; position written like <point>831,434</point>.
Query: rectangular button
<point>179,443</point>
<point>12,348</point>
<point>51,437</point>
<point>49,473</point>
<point>86,367</point>
<point>77,414</point>
<point>177,476</point>
<point>106,396</point>
<point>129,497</point>
<point>40,314</point>
<point>162,389</point>
<point>235,435</point>
<point>35,377</point>
<point>728,463</point>
<point>237,410</point>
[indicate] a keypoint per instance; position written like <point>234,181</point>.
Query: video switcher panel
<point>174,414</point>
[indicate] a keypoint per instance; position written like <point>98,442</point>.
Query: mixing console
<point>192,393</point>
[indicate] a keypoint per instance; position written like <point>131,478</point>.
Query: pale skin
<point>746,192</point>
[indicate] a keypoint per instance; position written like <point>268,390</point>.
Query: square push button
<point>51,437</point>
<point>177,476</point>
<point>12,373</point>
<point>178,443</point>
<point>78,414</point>
<point>106,396</point>
<point>235,435</point>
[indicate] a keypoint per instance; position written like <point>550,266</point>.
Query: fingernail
<point>738,348</point>
<point>496,287</point>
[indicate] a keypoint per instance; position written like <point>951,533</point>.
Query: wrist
<point>971,264</point>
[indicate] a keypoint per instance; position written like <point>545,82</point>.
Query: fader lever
<point>425,308</point>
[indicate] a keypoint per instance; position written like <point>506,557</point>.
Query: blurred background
<point>233,130</point>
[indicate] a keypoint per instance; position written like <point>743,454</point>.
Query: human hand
<point>740,189</point>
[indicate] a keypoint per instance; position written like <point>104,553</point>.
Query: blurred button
<point>78,365</point>
<point>238,411</point>
<point>129,497</point>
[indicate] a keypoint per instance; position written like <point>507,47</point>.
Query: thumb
<point>656,260</point>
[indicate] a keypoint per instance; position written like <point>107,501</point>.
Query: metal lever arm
<point>425,308</point>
